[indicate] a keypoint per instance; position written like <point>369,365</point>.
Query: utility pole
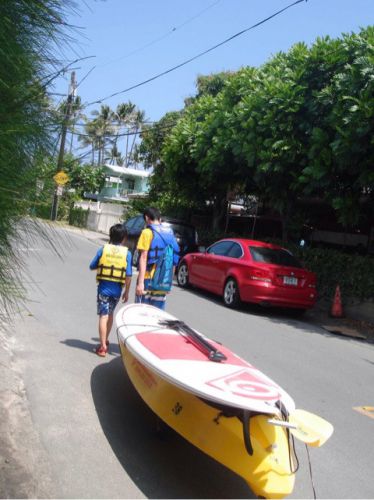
<point>60,161</point>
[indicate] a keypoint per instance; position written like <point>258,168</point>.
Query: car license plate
<point>289,280</point>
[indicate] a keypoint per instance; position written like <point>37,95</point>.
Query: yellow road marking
<point>365,410</point>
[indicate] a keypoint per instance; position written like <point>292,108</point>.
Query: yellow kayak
<point>268,471</point>
<point>216,400</point>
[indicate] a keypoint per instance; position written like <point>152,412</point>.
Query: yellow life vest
<point>112,264</point>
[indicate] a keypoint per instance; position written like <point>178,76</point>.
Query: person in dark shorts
<point>113,264</point>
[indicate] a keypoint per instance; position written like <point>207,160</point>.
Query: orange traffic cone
<point>336,307</point>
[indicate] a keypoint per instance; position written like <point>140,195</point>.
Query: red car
<point>250,271</point>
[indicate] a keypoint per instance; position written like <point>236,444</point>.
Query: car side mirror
<point>202,249</point>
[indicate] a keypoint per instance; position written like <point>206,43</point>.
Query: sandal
<point>101,351</point>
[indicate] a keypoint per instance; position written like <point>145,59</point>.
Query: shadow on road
<point>90,347</point>
<point>161,464</point>
<point>308,322</point>
<point>79,344</point>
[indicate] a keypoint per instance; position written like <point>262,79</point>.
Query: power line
<point>124,134</point>
<point>86,75</point>
<point>84,124</point>
<point>162,37</point>
<point>99,101</point>
<point>53,76</point>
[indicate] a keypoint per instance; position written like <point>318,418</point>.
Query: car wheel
<point>182,275</point>
<point>231,296</point>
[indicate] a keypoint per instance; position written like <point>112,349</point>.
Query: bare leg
<point>109,326</point>
<point>103,328</point>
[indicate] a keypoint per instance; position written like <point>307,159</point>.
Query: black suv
<point>185,234</point>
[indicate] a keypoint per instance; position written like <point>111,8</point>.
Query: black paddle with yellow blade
<point>195,338</point>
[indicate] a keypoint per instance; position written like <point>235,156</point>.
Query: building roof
<point>127,171</point>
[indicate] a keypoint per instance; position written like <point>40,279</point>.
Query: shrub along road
<point>73,426</point>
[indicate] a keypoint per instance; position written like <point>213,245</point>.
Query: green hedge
<point>42,210</point>
<point>78,217</point>
<point>353,273</point>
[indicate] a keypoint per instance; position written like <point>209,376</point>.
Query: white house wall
<point>102,216</point>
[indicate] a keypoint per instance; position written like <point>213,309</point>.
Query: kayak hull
<point>219,434</point>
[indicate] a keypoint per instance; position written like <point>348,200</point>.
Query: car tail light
<point>260,275</point>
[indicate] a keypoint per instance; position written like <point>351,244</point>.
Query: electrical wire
<point>86,75</point>
<point>159,75</point>
<point>139,132</point>
<point>53,76</point>
<point>162,37</point>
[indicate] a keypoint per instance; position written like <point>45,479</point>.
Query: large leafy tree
<point>272,129</point>
<point>84,178</point>
<point>163,191</point>
<point>302,124</point>
<point>211,85</point>
<point>341,147</point>
<point>199,157</point>
<point>153,138</point>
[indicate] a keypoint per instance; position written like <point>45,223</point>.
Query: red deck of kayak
<point>177,347</point>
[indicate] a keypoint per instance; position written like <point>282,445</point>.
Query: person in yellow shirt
<point>151,244</point>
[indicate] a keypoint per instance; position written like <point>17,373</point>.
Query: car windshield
<point>181,231</point>
<point>276,256</point>
<point>135,224</point>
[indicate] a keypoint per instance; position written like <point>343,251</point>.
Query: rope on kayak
<point>291,441</point>
<point>310,472</point>
<point>246,432</point>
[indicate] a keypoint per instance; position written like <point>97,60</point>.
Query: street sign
<point>61,178</point>
<point>39,186</point>
<point>59,190</point>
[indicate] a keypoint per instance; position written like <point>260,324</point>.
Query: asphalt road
<point>87,434</point>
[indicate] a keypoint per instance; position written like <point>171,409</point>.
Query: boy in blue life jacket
<point>151,244</point>
<point>113,264</point>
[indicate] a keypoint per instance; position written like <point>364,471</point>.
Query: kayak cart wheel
<point>231,296</point>
<point>182,275</point>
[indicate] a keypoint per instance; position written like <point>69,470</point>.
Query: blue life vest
<point>162,237</point>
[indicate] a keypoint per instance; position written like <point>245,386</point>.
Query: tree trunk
<point>127,152</point>
<point>219,210</point>
<point>285,220</point>
<point>133,142</point>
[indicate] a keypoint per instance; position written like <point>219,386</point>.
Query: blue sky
<point>113,29</point>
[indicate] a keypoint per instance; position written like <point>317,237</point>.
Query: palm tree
<point>139,119</point>
<point>90,138</point>
<point>103,126</point>
<point>115,156</point>
<point>124,114</point>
